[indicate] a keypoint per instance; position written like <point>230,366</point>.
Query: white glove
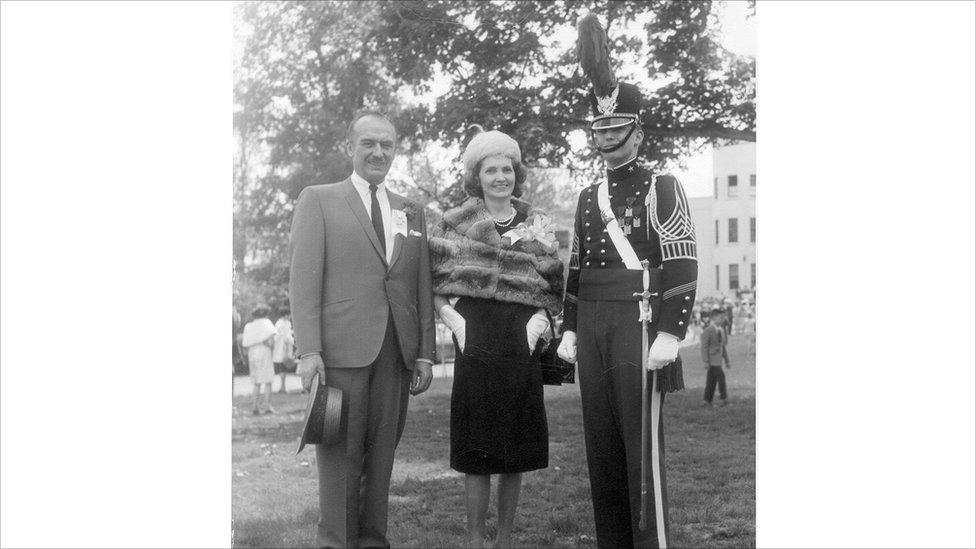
<point>454,322</point>
<point>567,348</point>
<point>663,351</point>
<point>535,327</point>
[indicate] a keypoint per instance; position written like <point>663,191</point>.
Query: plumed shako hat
<point>614,104</point>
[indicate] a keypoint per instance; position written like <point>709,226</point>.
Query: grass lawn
<point>710,468</point>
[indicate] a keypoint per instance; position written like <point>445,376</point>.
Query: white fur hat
<point>487,144</point>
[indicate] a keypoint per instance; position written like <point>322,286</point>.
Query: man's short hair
<point>364,113</point>
<point>716,311</point>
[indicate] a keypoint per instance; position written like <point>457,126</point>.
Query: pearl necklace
<point>505,221</point>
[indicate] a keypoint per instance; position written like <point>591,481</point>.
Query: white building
<point>725,223</point>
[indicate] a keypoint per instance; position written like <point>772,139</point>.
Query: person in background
<point>284,347</point>
<point>258,339</point>
<point>714,351</point>
<point>237,355</point>
<point>727,321</point>
<point>498,415</point>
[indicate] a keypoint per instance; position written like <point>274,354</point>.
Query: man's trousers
<point>609,358</point>
<point>715,375</point>
<point>354,473</point>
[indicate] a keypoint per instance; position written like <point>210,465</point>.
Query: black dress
<point>498,417</point>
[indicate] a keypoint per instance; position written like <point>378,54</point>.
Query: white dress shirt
<point>362,187</point>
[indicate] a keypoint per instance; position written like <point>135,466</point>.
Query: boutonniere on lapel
<point>399,222</point>
<point>538,228</point>
<point>400,218</point>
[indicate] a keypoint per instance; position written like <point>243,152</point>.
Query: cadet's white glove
<point>535,327</point>
<point>454,322</point>
<point>567,348</point>
<point>663,351</point>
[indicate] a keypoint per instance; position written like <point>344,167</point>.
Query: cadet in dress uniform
<point>601,316</point>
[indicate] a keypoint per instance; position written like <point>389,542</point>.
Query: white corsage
<point>540,229</point>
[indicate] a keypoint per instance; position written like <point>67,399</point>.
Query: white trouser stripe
<point>656,461</point>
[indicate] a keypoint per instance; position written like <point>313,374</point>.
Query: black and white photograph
<point>437,206</point>
<point>493,273</point>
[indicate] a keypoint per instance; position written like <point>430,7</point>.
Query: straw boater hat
<point>323,414</point>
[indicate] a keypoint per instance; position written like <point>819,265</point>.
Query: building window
<point>716,232</point>
<point>753,269</point>
<point>752,184</point>
<point>733,185</point>
<point>733,230</point>
<point>717,287</point>
<point>733,277</point>
<point>716,188</point>
<point>752,229</point>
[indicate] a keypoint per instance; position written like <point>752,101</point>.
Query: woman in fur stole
<point>497,280</point>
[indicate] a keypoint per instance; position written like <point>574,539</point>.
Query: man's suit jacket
<point>341,288</point>
<point>713,345</point>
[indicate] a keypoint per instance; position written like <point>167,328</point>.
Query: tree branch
<point>714,131</point>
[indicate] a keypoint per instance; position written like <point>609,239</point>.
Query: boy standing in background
<point>713,349</point>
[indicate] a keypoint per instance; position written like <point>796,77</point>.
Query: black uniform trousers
<point>715,375</point>
<point>609,360</point>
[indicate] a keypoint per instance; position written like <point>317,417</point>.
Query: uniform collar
<point>623,171</point>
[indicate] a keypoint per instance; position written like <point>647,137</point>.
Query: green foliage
<point>306,67</point>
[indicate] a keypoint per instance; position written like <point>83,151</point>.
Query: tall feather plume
<point>593,51</point>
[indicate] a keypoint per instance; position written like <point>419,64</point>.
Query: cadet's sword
<point>645,319</point>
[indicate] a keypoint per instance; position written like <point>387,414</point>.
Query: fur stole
<point>469,258</point>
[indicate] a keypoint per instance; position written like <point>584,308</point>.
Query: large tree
<point>306,67</point>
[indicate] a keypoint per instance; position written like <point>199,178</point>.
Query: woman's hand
<point>454,322</point>
<point>567,348</point>
<point>535,328</point>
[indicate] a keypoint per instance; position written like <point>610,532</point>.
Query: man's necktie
<point>374,212</point>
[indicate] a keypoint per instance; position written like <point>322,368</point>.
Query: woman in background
<point>284,347</point>
<point>496,280</point>
<point>258,339</point>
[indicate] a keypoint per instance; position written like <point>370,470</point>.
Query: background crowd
<point>740,315</point>
<point>740,318</point>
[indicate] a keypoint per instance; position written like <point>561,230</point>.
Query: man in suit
<point>363,315</point>
<point>713,351</point>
